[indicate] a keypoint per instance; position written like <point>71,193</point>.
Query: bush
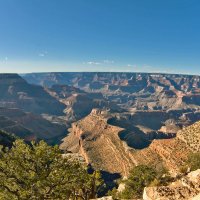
<point>193,161</point>
<point>140,177</point>
<point>183,169</point>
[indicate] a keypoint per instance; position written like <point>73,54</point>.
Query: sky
<point>100,35</point>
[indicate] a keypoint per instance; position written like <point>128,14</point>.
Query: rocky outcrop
<point>186,188</point>
<point>63,91</point>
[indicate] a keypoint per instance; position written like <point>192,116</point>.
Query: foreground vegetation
<point>192,163</point>
<point>140,177</point>
<point>39,171</point>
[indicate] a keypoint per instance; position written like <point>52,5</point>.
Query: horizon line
<point>125,72</point>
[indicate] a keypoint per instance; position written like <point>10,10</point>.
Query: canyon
<point>113,120</point>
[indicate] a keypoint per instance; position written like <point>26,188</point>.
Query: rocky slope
<point>186,188</point>
<point>174,152</point>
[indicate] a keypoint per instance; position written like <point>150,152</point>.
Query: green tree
<point>39,171</point>
<point>140,177</point>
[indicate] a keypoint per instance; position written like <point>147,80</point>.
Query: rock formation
<point>99,143</point>
<point>186,188</point>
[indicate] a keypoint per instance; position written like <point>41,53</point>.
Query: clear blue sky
<point>100,35</point>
